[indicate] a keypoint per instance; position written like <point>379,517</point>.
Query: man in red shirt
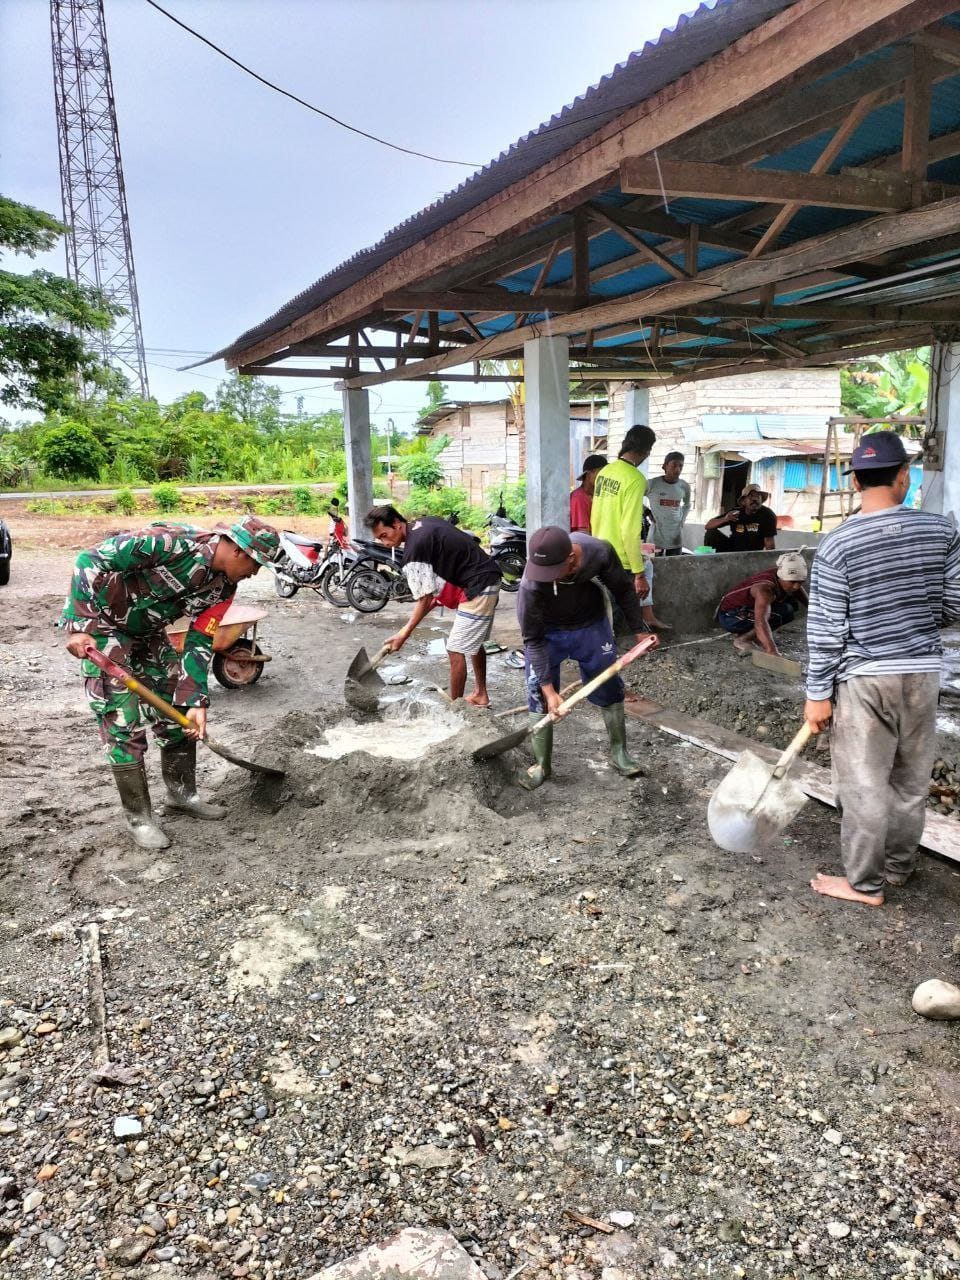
<point>581,498</point>
<point>753,609</point>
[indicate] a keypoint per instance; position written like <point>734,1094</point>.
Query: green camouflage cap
<point>257,539</point>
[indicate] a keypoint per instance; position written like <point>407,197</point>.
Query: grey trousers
<point>883,746</point>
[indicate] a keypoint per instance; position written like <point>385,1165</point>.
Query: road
<point>18,496</point>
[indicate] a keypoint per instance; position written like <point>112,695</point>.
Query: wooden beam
<point>546,268</point>
<point>814,310</point>
<point>581,254</point>
<point>942,40</point>
<point>914,155</point>
<point>776,186</point>
<point>795,40</point>
<point>876,235</point>
<point>822,164</point>
<point>609,219</point>
<point>487,300</point>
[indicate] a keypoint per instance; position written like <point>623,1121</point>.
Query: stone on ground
<point>414,1253</point>
<point>936,999</point>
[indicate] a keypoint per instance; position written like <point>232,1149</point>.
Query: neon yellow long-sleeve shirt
<point>617,513</point>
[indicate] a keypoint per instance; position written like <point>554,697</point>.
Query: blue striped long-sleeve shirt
<point>882,586</point>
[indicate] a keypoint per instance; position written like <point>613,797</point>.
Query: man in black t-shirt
<point>436,552</point>
<point>753,527</point>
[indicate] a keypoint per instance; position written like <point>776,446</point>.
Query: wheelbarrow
<point>237,658</point>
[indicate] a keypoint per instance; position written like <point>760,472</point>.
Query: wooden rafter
<point>609,219</point>
<point>488,300</point>
<point>777,186</point>
<point>821,165</point>
<point>915,152</point>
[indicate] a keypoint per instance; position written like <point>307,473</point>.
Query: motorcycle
<point>375,579</point>
<point>508,547</point>
<point>313,563</point>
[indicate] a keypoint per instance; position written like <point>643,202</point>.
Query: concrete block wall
<point>687,589</point>
<point>787,539</point>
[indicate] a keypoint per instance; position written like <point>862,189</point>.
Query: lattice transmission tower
<point>99,249</point>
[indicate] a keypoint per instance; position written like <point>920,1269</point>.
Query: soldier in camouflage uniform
<point>123,595</point>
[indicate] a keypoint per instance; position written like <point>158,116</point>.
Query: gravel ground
<point>411,994</point>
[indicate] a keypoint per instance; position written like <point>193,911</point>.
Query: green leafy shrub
<point>273,506</point>
<point>126,502</point>
<point>304,502</point>
<point>47,507</point>
<point>422,470</point>
<point>514,499</point>
<point>166,497</point>
<point>71,451</point>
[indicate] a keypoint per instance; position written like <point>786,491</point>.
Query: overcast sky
<point>239,198</point>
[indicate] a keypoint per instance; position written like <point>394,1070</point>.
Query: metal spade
<point>362,685</point>
<point>756,800</point>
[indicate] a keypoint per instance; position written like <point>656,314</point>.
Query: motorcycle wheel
<point>511,566</point>
<point>333,586</point>
<point>285,587</point>
<point>367,590</point>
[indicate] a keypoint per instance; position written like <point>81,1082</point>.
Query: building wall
<point>484,449</point>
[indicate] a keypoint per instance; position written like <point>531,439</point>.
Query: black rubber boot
<point>542,744</point>
<point>131,780</point>
<point>616,722</point>
<point>179,765</point>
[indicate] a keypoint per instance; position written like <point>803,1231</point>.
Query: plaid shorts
<point>473,622</point>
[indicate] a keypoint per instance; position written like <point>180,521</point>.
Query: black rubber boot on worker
<point>616,722</point>
<point>542,744</point>
<point>131,780</point>
<point>179,766</point>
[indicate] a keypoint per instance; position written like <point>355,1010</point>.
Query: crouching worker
<point>563,614</point>
<point>756,607</point>
<point>123,595</point>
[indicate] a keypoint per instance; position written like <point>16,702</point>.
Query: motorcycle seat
<point>301,540</point>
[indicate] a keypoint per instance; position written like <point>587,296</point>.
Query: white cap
<point>792,567</point>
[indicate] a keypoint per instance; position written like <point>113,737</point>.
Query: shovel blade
<point>750,807</point>
<point>500,745</point>
<point>362,685</point>
<point>219,749</point>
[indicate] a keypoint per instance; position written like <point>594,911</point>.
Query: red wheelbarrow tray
<point>238,619</point>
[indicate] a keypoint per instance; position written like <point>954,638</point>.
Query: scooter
<point>508,546</point>
<point>311,562</point>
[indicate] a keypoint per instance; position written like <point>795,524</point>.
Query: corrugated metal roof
<point>716,427</point>
<point>695,38</point>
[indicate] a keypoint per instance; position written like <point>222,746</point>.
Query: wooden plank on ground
<point>776,662</point>
<point>940,834</point>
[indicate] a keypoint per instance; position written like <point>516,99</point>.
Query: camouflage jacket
<point>138,583</point>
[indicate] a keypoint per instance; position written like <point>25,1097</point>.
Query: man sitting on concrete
<point>752,526</point>
<point>756,607</point>
<point>562,614</point>
<point>668,498</point>
<point>883,585</point>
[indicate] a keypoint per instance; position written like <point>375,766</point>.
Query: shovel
<point>756,800</point>
<point>165,709</point>
<point>500,745</point>
<point>362,685</point>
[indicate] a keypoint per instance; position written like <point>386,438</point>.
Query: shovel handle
<point>375,661</point>
<point>794,749</point>
<point>143,693</point>
<point>641,647</point>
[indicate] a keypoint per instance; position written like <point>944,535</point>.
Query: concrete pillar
<point>941,487</point>
<point>356,435</point>
<point>636,412</point>
<point>546,372</point>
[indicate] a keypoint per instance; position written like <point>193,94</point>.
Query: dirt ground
<point>408,992</point>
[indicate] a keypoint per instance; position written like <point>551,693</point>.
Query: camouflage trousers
<point>120,714</point>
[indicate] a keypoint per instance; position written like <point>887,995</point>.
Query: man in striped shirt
<point>883,585</point>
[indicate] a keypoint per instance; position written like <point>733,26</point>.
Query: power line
<point>467,164</point>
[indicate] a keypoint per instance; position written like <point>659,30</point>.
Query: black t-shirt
<point>748,533</point>
<point>436,549</point>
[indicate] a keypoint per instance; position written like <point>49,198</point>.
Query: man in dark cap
<point>581,498</point>
<point>562,614</point>
<point>883,584</point>
<point>123,595</point>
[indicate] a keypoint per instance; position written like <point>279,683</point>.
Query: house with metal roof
<point>771,185</point>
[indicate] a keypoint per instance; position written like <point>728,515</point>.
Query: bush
<point>71,451</point>
<point>166,497</point>
<point>514,499</point>
<point>47,507</point>
<point>304,502</point>
<point>274,506</point>
<point>126,502</point>
<point>422,470</point>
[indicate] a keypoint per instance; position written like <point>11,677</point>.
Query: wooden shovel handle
<point>375,661</point>
<point>794,749</point>
<point>641,647</point>
<point>143,693</point>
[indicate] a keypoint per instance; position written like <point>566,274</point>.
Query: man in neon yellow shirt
<point>617,513</point>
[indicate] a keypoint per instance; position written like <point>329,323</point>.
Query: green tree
<point>45,320</point>
<point>436,394</point>
<point>893,385</point>
<point>71,451</point>
<point>250,400</point>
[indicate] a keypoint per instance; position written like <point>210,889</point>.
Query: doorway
<point>735,477</point>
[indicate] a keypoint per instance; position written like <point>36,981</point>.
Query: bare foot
<point>477,699</point>
<point>656,625</point>
<point>630,696</point>
<point>840,887</point>
<point>743,645</point>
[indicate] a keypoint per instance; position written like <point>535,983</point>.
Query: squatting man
<point>123,595</point>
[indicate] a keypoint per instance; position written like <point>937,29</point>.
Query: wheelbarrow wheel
<point>231,671</point>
